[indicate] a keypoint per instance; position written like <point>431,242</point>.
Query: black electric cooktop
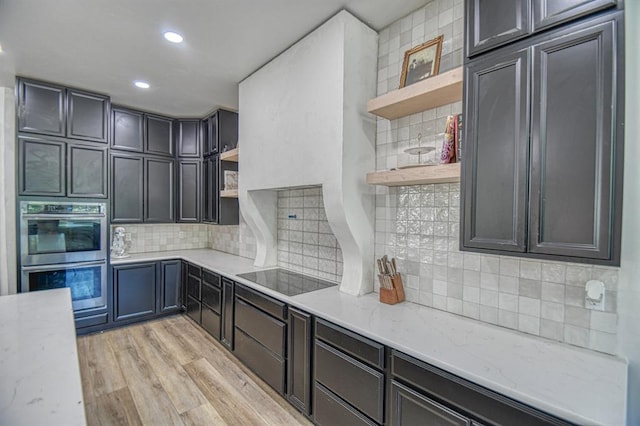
<point>287,282</point>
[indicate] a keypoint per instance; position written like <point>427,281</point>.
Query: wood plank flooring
<point>171,372</point>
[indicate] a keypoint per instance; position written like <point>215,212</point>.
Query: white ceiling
<point>104,45</point>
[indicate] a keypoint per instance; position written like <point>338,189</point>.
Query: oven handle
<point>63,266</point>
<point>63,216</point>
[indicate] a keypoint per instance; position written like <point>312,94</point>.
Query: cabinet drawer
<point>92,320</point>
<point>211,297</point>
<point>360,347</point>
<point>195,270</point>
<point>270,332</point>
<point>260,360</point>
<point>193,287</point>
<point>351,380</point>
<point>411,408</point>
<point>211,278</point>
<point>211,322</point>
<point>330,410</point>
<point>193,309</point>
<point>478,402</point>
<point>267,304</point>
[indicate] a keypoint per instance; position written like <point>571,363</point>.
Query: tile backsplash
<point>306,242</point>
<point>420,224</point>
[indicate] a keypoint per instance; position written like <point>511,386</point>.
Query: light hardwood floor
<point>171,372</point>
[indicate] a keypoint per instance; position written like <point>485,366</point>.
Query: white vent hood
<point>303,122</point>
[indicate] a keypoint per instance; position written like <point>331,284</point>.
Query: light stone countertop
<point>39,371</point>
<point>576,384</point>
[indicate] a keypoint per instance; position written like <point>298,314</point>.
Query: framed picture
<point>421,62</point>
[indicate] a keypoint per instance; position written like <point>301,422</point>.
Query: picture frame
<point>422,61</point>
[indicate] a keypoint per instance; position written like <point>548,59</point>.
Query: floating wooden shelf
<point>231,193</point>
<point>443,173</point>
<point>231,155</point>
<point>432,92</point>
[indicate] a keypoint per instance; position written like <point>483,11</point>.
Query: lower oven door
<point>87,281</point>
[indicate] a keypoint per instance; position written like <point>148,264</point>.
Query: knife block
<point>395,295</point>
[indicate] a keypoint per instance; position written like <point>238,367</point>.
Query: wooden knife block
<point>391,297</point>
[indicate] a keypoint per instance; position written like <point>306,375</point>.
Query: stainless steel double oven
<point>64,244</point>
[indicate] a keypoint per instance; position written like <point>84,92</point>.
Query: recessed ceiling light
<point>173,37</point>
<point>142,84</point>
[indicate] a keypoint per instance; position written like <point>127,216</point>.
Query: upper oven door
<point>62,238</point>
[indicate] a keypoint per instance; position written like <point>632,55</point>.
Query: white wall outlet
<point>594,295</point>
<point>127,236</point>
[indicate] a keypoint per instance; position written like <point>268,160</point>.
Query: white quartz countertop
<point>39,371</point>
<point>576,384</point>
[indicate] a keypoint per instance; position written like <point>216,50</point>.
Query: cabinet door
<point>159,194</point>
<point>159,135</point>
<point>88,116</point>
<point>411,408</point>
<point>228,208</point>
<point>299,360</point>
<point>134,291</point>
<point>206,136</point>
<point>574,144</point>
<point>495,165</point>
<point>128,130</point>
<point>211,194</point>
<point>189,138</point>
<point>226,336</point>
<point>189,192</point>
<point>547,13</point>
<point>226,132</point>
<point>492,23</point>
<point>41,167</point>
<point>41,108</point>
<point>170,284</point>
<point>87,171</point>
<point>126,188</point>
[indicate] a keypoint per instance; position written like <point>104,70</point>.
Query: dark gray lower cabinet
<point>41,166</point>
<point>193,286</point>
<point>411,408</point>
<point>126,188</point>
<point>134,291</point>
<point>87,168</point>
<point>210,189</point>
<point>211,297</point>
<point>299,360</point>
<point>88,116</point>
<point>170,275</point>
<point>227,328</point>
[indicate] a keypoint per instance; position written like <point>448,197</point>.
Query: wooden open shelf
<point>231,155</point>
<point>231,193</point>
<point>444,173</point>
<point>429,93</point>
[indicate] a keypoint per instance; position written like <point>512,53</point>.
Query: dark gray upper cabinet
<point>496,161</point>
<point>492,23</point>
<point>41,108</point>
<point>134,291</point>
<point>159,135</point>
<point>128,129</point>
<point>207,132</point>
<point>224,129</point>
<point>547,13</point>
<point>574,146</point>
<point>88,116</point>
<point>41,167</point>
<point>126,188</point>
<point>189,182</point>
<point>211,193</point>
<point>188,138</point>
<point>570,82</point>
<point>158,190</point>
<point>87,171</point>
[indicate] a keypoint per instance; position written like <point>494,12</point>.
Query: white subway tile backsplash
<point>420,224</point>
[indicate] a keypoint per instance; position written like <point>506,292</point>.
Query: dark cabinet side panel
<point>170,274</point>
<point>211,194</point>
<point>41,167</point>
<point>496,156</point>
<point>127,129</point>
<point>547,13</point>
<point>299,360</point>
<point>573,144</point>
<point>159,194</point>
<point>87,171</point>
<point>226,332</point>
<point>134,291</point>
<point>159,135</point>
<point>41,108</point>
<point>491,23</point>
<point>189,191</point>
<point>330,410</point>
<point>88,116</point>
<point>226,131</point>
<point>126,188</point>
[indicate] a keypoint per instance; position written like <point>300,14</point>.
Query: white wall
<point>303,123</point>
<point>8,261</point>
<point>629,277</point>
